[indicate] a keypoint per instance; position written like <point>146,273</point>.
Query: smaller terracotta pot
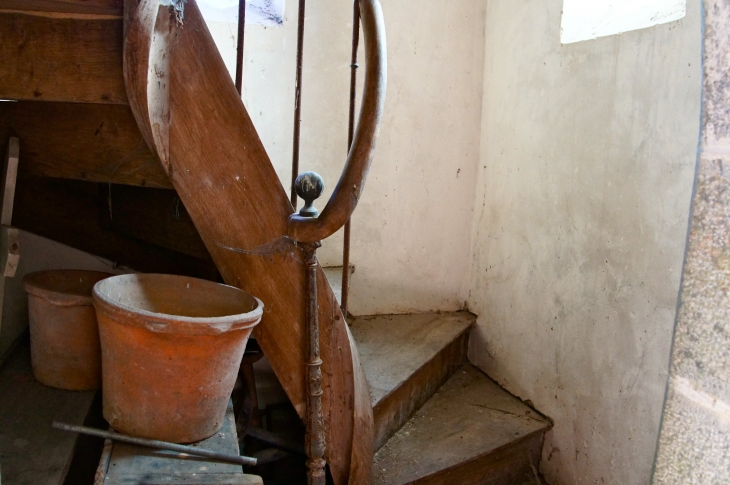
<point>171,349</point>
<point>64,336</point>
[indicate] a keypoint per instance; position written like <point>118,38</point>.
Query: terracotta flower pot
<point>171,348</point>
<point>64,337</point>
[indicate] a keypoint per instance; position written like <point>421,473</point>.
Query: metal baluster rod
<point>350,133</point>
<point>239,49</point>
<point>160,445</point>
<point>309,186</point>
<point>297,104</point>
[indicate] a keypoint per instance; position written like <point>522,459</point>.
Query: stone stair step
<point>471,432</point>
<point>406,358</point>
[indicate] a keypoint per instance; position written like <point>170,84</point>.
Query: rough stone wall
<point>694,447</point>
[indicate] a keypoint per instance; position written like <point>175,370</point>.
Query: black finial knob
<point>309,186</point>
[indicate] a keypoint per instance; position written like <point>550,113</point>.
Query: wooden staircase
<point>402,403</point>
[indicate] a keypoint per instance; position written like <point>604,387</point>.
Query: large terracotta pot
<point>171,349</point>
<point>64,338</point>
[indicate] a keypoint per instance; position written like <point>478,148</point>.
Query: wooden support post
<point>9,236</point>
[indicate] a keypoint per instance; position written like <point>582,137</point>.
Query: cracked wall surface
<point>694,447</point>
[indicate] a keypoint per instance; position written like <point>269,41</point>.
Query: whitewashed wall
<point>588,156</point>
<point>411,229</point>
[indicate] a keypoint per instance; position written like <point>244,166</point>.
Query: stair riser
<point>393,411</point>
<point>515,464</point>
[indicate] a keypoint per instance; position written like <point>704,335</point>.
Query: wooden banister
<point>347,193</point>
<point>190,113</point>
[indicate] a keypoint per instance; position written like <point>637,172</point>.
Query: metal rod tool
<point>160,445</point>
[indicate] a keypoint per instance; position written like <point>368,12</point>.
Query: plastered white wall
<point>587,164</point>
<point>411,229</point>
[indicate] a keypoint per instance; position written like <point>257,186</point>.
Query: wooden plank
<point>71,212</point>
<point>9,236</point>
<point>32,452</point>
<point>98,143</point>
<point>406,359</point>
<point>10,174</point>
<point>471,432</point>
<point>131,465</point>
<point>52,59</point>
<point>108,8</point>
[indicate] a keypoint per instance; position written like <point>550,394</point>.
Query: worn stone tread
<point>406,358</point>
<point>31,451</point>
<point>470,432</point>
<point>393,347</point>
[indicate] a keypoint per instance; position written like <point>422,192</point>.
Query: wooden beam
<point>108,8</point>
<point>98,143</point>
<point>61,59</point>
<point>70,212</point>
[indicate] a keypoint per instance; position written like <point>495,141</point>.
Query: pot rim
<point>176,324</point>
<point>60,298</point>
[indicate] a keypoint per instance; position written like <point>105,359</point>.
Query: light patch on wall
<point>258,12</point>
<point>589,19</point>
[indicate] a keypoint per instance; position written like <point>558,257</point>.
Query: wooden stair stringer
<point>207,143</point>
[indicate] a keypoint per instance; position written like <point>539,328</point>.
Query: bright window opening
<point>590,19</point>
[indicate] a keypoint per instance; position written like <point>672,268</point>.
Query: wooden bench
<point>123,464</point>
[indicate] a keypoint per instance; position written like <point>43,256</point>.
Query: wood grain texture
<point>93,142</point>
<point>72,7</point>
<point>406,358</point>
<point>52,59</point>
<point>33,453</point>
<point>470,432</point>
<point>131,465</point>
<point>72,212</point>
<point>221,171</point>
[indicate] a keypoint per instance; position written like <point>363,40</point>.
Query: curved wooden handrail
<point>191,115</point>
<point>146,64</point>
<point>347,193</point>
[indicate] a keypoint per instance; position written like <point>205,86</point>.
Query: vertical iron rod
<point>315,438</point>
<point>297,104</point>
<point>239,49</point>
<point>350,134</point>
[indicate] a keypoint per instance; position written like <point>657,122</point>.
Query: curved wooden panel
<point>222,173</point>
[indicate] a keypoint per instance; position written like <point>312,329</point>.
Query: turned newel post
<point>309,186</point>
